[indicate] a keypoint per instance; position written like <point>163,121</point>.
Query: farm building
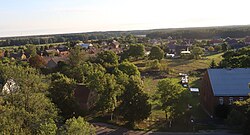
<point>224,86</point>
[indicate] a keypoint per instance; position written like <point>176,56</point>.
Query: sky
<point>35,17</point>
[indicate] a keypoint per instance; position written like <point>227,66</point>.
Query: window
<point>241,98</point>
<point>221,100</point>
<point>231,100</point>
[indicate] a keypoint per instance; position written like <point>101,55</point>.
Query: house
<point>216,42</point>
<point>64,53</point>
<point>224,86</point>
<point>247,40</point>
<point>231,41</point>
<point>115,44</point>
<point>86,46</point>
<point>177,49</point>
<point>62,48</point>
<point>1,54</point>
<point>51,52</point>
<point>180,48</point>
<point>52,62</point>
<point>85,97</point>
<point>9,87</point>
<point>18,56</point>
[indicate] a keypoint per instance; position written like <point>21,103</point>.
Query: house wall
<point>206,94</point>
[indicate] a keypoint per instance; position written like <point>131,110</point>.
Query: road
<point>106,129</point>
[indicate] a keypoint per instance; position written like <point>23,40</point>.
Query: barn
<point>224,86</point>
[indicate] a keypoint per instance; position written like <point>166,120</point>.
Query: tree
<point>134,105</point>
<point>240,114</point>
<point>31,49</point>
<point>171,96</point>
<point>156,53</point>
<point>107,101</point>
<point>24,110</point>
<point>107,59</point>
<point>77,126</point>
<point>153,65</point>
<point>210,49</point>
<point>128,68</point>
<point>236,59</point>
<point>37,61</point>
<point>61,92</point>
<point>218,48</point>
<point>136,51</point>
<point>225,47</point>
<point>197,52</point>
<point>213,64</point>
<point>76,56</point>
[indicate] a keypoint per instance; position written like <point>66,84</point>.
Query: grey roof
<point>230,82</point>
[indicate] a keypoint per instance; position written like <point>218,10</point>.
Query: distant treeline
<point>175,33</point>
<point>202,33</point>
<point>47,39</point>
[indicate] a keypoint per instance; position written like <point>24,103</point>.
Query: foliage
<point>62,94</point>
<point>156,53</point>
<point>218,48</point>
<point>240,113</point>
<point>236,59</point>
<point>134,51</point>
<point>197,52</point>
<point>76,56</point>
<point>211,49</point>
<point>31,49</point>
<point>107,59</point>
<point>153,65</point>
<point>77,126</point>
<point>107,101</point>
<point>213,64</point>
<point>128,68</point>
<point>222,111</point>
<point>172,98</point>
<point>24,110</point>
<point>37,61</point>
<point>134,105</point>
<point>235,119</point>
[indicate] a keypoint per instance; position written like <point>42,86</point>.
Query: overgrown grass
<point>156,121</point>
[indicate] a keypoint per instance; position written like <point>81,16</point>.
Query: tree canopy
<point>134,106</point>
<point>156,53</point>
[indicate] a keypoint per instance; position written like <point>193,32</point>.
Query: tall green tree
<point>213,64</point>
<point>171,97</point>
<point>31,49</point>
<point>26,108</point>
<point>62,94</point>
<point>76,56</point>
<point>107,59</point>
<point>128,68</point>
<point>135,51</point>
<point>156,53</point>
<point>77,126</point>
<point>197,52</point>
<point>134,105</point>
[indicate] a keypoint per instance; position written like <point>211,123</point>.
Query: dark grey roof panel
<point>230,82</point>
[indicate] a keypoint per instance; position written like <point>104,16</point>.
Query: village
<point>194,69</point>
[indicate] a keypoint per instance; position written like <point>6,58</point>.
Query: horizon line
<point>129,30</point>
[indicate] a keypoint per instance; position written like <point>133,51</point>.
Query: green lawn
<point>157,118</point>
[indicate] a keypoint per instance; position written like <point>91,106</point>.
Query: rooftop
<point>230,82</point>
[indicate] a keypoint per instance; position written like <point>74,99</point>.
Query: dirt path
<point>107,129</point>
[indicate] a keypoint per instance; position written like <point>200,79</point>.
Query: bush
<point>154,65</point>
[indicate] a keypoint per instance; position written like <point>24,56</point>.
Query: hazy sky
<point>25,17</point>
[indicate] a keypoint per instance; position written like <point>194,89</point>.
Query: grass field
<point>157,118</point>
